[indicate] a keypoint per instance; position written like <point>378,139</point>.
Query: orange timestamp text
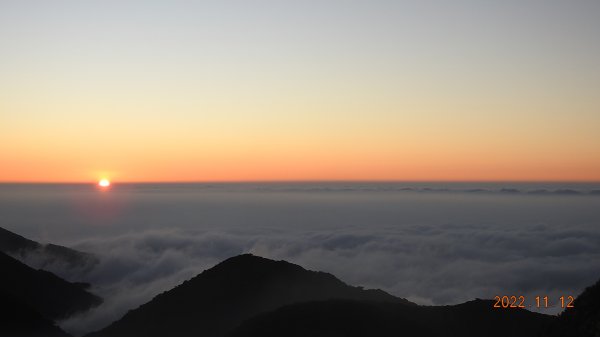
<point>540,302</point>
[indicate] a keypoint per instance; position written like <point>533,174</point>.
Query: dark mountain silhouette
<point>20,320</point>
<point>31,300</point>
<point>44,256</point>
<point>14,243</point>
<point>332,318</point>
<point>583,320</point>
<point>219,299</point>
<point>44,292</point>
<point>378,319</point>
<point>247,296</point>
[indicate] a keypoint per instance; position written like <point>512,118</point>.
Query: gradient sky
<point>299,90</point>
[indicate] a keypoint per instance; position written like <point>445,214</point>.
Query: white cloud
<point>443,265</point>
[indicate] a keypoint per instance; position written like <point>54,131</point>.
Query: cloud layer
<point>429,265</point>
<point>426,243</point>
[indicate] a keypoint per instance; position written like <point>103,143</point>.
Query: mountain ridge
<point>45,256</point>
<point>47,293</point>
<point>234,290</point>
<point>247,295</point>
<point>33,299</point>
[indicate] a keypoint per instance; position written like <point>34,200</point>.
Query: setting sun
<point>104,183</point>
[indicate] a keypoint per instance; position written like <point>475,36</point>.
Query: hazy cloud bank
<point>427,264</point>
<point>424,242</point>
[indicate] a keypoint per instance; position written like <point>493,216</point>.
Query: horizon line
<point>299,181</point>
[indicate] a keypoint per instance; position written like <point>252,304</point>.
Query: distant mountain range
<point>248,295</point>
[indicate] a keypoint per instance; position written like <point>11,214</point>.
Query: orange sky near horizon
<point>320,161</point>
<point>181,91</point>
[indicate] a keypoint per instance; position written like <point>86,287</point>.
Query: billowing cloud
<point>433,244</point>
<point>429,265</point>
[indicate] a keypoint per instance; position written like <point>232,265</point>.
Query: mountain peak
<point>243,261</point>
<point>219,299</point>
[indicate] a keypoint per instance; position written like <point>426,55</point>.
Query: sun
<point>104,183</point>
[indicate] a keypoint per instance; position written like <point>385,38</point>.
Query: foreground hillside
<point>253,296</point>
<point>377,319</point>
<point>583,320</point>
<point>31,299</point>
<point>53,297</point>
<point>17,319</point>
<point>219,299</point>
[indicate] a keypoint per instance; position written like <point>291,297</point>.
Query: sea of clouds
<point>431,246</point>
